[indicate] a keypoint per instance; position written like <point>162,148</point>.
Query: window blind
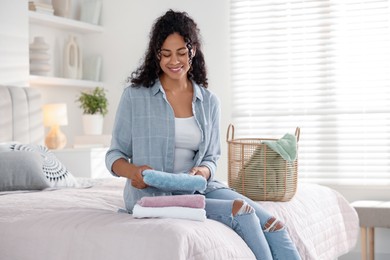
<point>323,66</point>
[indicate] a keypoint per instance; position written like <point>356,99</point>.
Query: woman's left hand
<point>202,171</point>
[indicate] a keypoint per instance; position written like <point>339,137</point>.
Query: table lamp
<point>55,115</point>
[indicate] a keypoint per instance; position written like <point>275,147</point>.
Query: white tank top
<point>187,140</point>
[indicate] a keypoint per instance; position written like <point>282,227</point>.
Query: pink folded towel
<point>189,201</point>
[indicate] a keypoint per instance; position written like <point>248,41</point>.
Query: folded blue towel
<point>174,181</point>
<point>285,146</point>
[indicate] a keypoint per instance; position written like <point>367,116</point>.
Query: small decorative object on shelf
<point>90,11</point>
<point>62,7</point>
<point>39,58</point>
<point>91,67</point>
<point>72,59</point>
<point>94,105</point>
<point>41,7</point>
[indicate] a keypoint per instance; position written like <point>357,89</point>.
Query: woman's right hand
<point>138,181</point>
<point>122,167</point>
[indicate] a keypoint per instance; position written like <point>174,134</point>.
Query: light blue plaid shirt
<point>144,133</point>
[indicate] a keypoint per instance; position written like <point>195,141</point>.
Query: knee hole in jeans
<point>273,224</point>
<point>240,207</point>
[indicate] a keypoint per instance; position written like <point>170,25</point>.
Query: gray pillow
<point>6,146</point>
<point>22,170</point>
<point>53,169</point>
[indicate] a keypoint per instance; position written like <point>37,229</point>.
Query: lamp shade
<point>55,114</point>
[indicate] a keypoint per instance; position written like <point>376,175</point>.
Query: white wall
<point>13,44</point>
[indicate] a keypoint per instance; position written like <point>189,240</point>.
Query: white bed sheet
<point>85,224</point>
<point>320,221</point>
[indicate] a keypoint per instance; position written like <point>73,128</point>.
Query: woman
<point>167,120</point>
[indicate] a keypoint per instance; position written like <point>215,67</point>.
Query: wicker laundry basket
<point>257,171</point>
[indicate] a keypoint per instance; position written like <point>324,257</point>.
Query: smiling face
<point>174,58</point>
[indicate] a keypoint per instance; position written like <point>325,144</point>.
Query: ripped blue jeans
<point>263,233</point>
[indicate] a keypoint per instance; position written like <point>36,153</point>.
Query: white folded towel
<point>169,212</point>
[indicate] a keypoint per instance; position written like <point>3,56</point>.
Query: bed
<point>84,221</point>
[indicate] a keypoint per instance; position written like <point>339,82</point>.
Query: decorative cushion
<point>55,172</point>
<point>21,170</point>
<point>5,146</point>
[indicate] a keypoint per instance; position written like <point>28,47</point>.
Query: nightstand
<point>84,162</point>
<point>372,214</point>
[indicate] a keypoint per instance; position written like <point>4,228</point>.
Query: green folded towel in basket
<point>285,146</point>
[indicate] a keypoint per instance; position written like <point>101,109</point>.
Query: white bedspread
<point>320,221</point>
<point>84,224</point>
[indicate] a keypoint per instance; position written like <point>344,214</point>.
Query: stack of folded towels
<point>176,206</point>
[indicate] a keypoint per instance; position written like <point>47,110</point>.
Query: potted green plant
<point>94,104</point>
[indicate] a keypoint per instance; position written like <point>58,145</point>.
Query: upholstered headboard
<point>21,117</point>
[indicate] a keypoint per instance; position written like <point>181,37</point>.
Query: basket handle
<point>231,126</point>
<point>297,133</point>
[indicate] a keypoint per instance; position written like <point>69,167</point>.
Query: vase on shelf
<point>93,124</point>
<point>90,11</point>
<point>92,67</point>
<point>39,57</point>
<point>72,59</point>
<point>62,7</point>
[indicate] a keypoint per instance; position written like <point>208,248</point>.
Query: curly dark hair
<point>171,22</point>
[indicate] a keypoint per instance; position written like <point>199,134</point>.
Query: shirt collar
<point>197,91</point>
<point>157,87</point>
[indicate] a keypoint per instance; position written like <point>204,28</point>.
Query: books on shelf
<point>41,7</point>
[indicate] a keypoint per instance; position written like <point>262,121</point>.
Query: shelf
<point>62,82</point>
<point>63,23</point>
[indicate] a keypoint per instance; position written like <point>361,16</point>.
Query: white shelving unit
<point>57,82</point>
<point>65,24</point>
